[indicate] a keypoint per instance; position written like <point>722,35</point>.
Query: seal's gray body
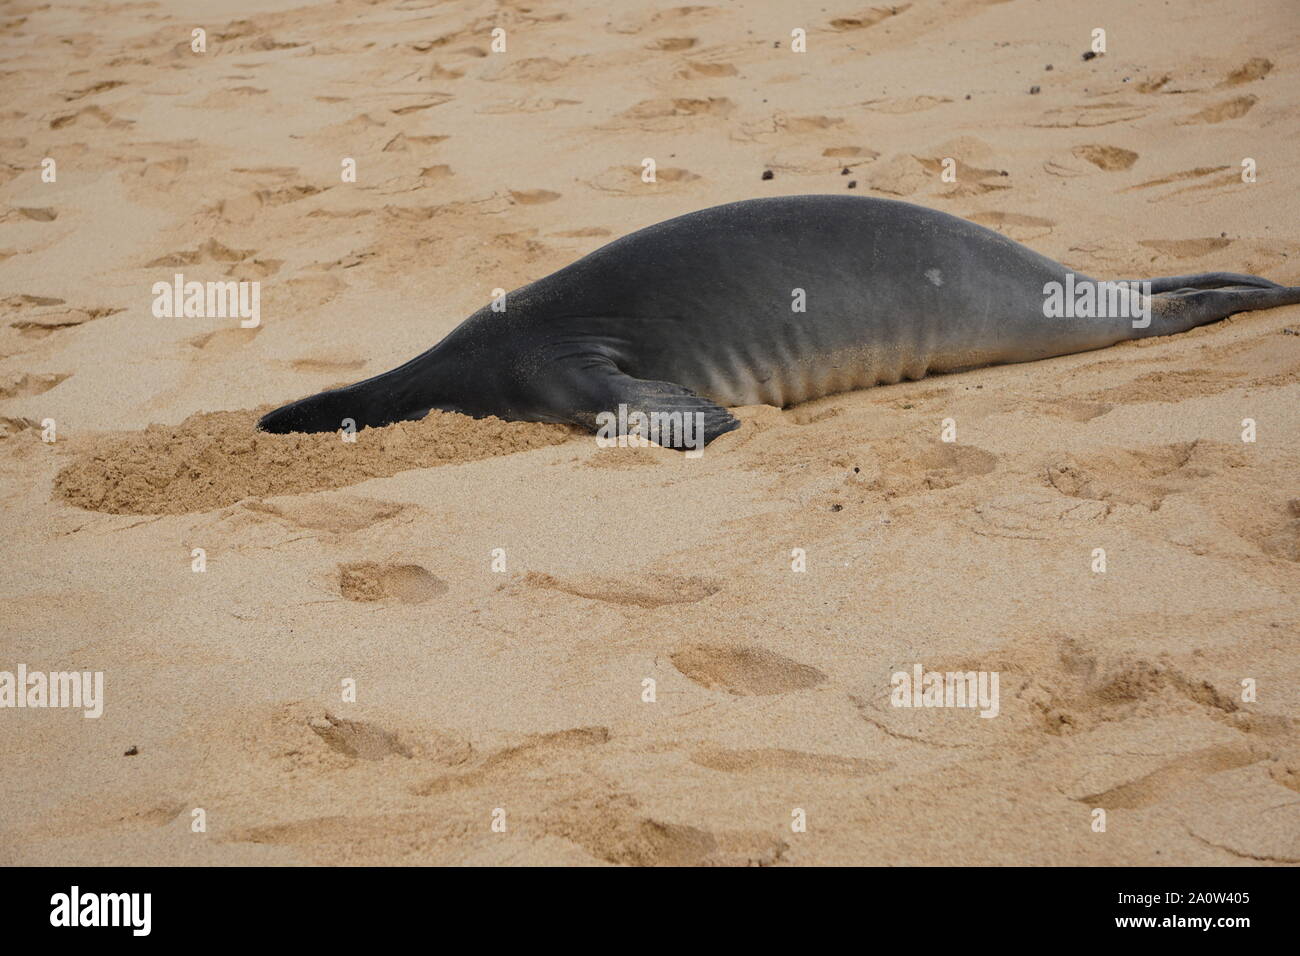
<point>696,313</point>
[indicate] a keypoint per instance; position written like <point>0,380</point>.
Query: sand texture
<point>503,595</point>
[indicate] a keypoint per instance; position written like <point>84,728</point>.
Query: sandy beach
<point>459,641</point>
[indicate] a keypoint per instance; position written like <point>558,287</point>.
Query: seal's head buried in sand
<point>770,301</point>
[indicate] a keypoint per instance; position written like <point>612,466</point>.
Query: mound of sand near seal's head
<point>213,459</point>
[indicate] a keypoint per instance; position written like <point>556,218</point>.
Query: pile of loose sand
<point>215,459</point>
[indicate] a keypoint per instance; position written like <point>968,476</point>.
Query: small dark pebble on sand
<point>131,751</point>
<point>853,184</point>
<point>768,174</point>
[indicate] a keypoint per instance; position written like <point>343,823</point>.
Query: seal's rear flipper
<point>1187,308</point>
<point>674,417</point>
<point>1208,280</point>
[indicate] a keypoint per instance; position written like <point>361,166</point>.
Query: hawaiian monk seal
<point>701,312</point>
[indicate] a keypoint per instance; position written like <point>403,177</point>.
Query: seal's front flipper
<point>611,403</point>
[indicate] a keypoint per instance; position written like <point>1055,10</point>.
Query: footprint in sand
<point>258,523</point>
<point>224,340</point>
<point>432,174</point>
<point>525,104</point>
<point>368,581</point>
<point>37,213</point>
<point>651,842</point>
<point>1228,178</point>
<point>336,514</point>
<point>1074,410</point>
<point>1172,778</point>
<point>808,124</point>
<point>357,738</point>
<point>1186,174</point>
<point>1091,114</point>
<point>695,68</point>
<point>284,173</point>
<point>630,22</point>
<point>242,37</point>
<point>303,292</point>
<point>744,671</point>
<point>850,152</point>
<point>900,467</point>
<point>1035,515</point>
<point>44,320</point>
<point>250,205</point>
<point>251,269</point>
<point>613,827</point>
<point>673,113</point>
<point>1253,69</point>
<point>1281,539</point>
<point>402,143</point>
<point>101,87</point>
<point>1068,687</point>
<point>209,251</point>
<point>860,21</point>
<point>1108,158</point>
<point>358,125</point>
<point>162,174</point>
<point>1170,385</point>
<point>92,116</point>
<point>681,107</point>
<point>904,174</point>
<point>1146,477</point>
<point>645,590</point>
<point>535,751</point>
<point>672,44</point>
<point>626,180</point>
<point>536,69</point>
<point>906,104</point>
<point>789,761</point>
<point>1136,476</point>
<point>13,426</point>
<point>1221,112</point>
<point>900,175</point>
<point>27,385</point>
<point>533,197</point>
<point>1020,227</point>
<point>971,180</point>
<point>235,98</point>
